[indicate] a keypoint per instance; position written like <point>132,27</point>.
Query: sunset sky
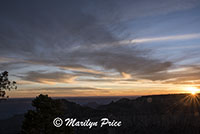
<point>100,47</point>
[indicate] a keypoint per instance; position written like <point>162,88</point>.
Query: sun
<point>192,90</point>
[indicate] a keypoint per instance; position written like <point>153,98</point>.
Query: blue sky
<point>100,47</point>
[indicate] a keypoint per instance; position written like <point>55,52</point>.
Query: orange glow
<point>193,93</point>
<point>192,90</point>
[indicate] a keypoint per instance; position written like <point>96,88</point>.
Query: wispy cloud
<point>48,78</point>
<point>163,38</point>
<point>87,42</point>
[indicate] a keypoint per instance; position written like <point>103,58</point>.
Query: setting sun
<point>192,90</point>
<point>193,93</point>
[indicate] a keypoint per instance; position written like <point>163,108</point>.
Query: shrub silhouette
<point>5,84</point>
<point>40,120</point>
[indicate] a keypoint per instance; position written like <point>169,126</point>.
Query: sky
<point>100,47</point>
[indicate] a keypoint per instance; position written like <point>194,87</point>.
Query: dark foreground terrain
<point>158,114</point>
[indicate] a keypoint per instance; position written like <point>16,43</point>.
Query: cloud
<point>186,75</point>
<point>125,75</point>
<point>45,28</point>
<point>165,38</point>
<point>72,88</point>
<point>125,60</point>
<point>66,27</point>
<point>62,91</point>
<point>81,69</point>
<point>48,77</point>
<point>125,10</point>
<point>82,37</point>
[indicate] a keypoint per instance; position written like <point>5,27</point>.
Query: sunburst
<point>192,90</point>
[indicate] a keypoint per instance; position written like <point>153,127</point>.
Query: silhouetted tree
<point>5,84</point>
<point>40,120</point>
